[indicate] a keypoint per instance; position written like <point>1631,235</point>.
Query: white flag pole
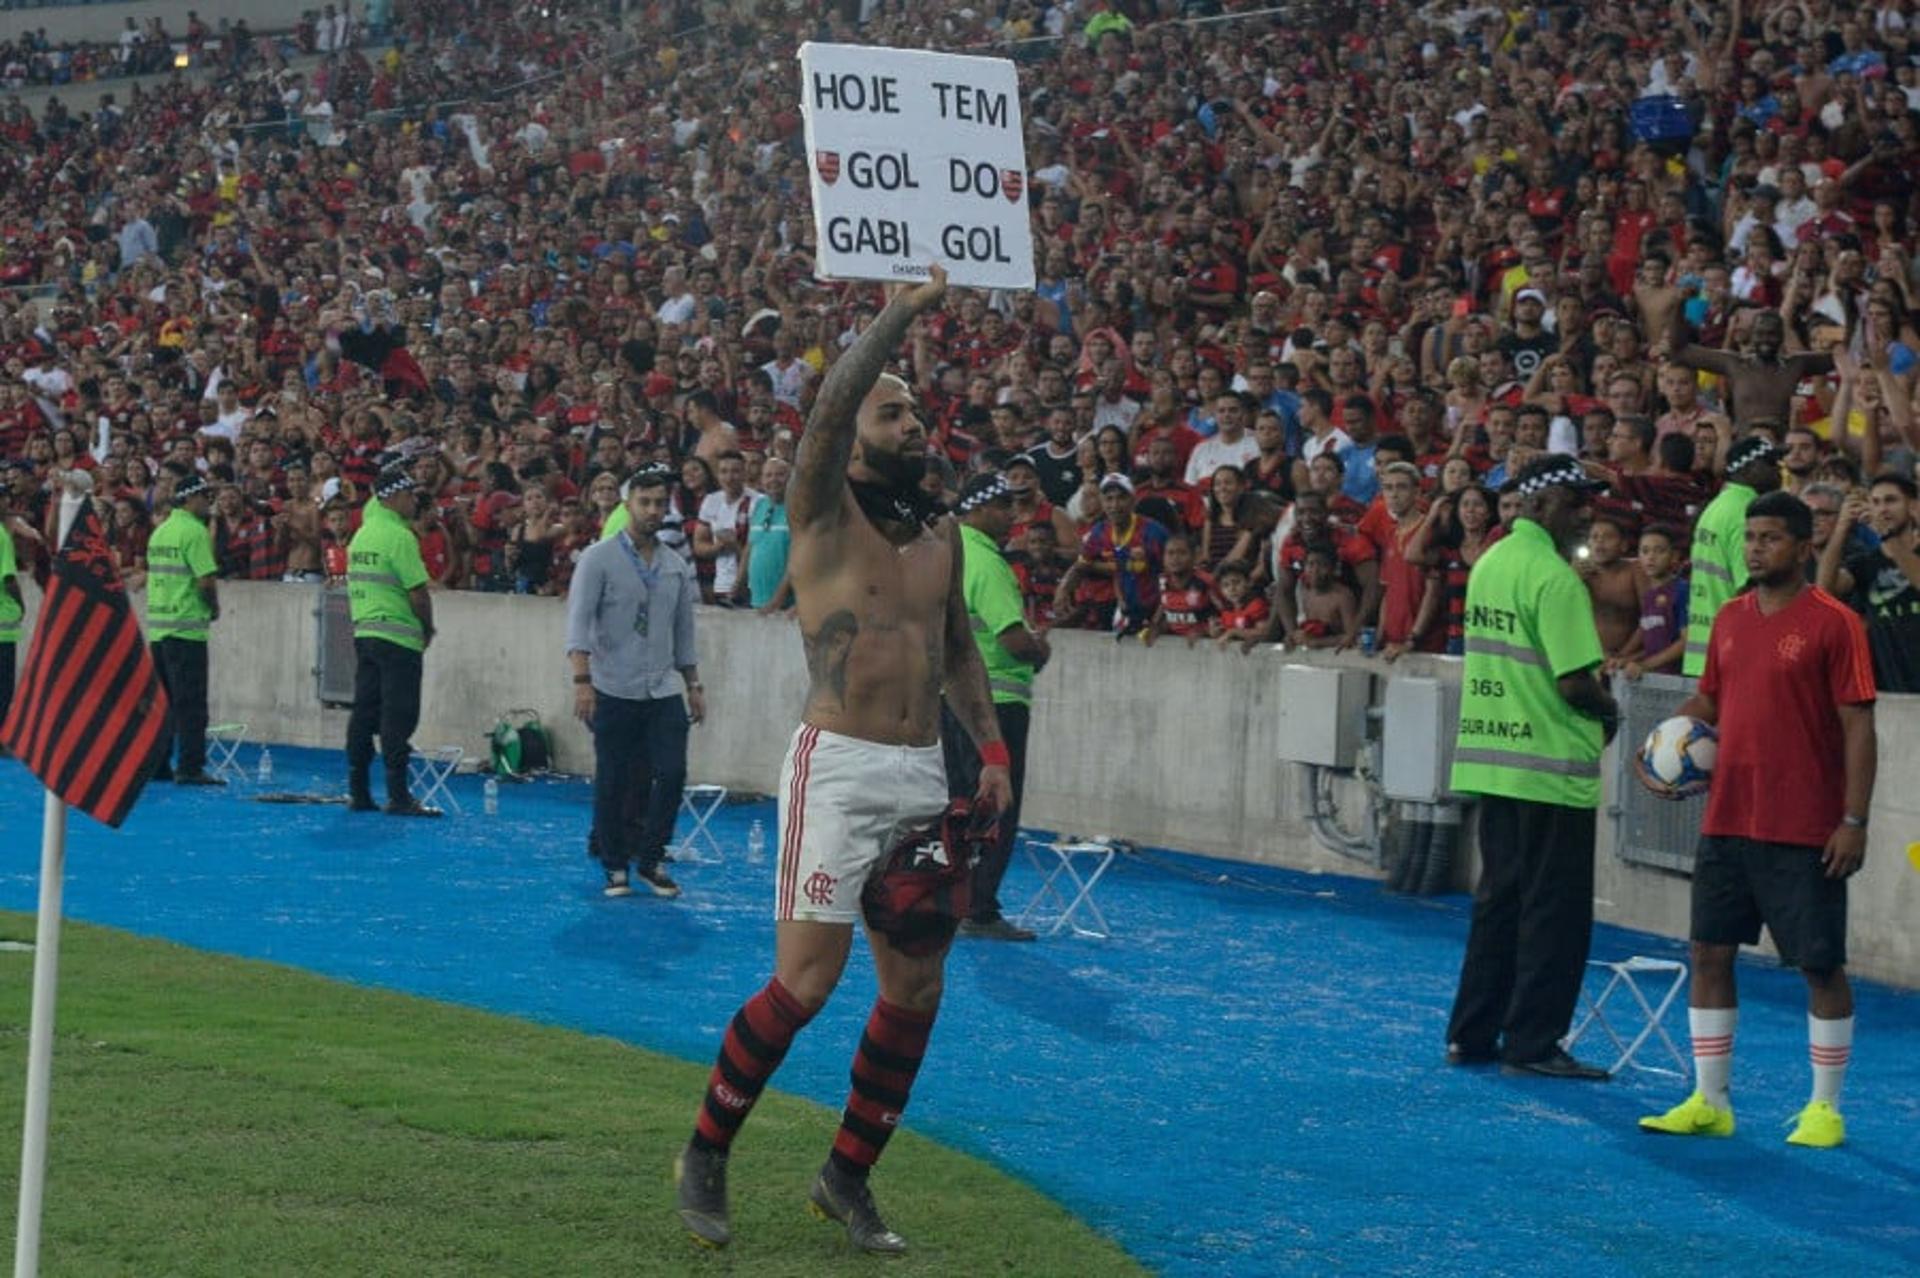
<point>46,979</point>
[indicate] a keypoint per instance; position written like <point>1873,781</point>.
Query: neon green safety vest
<point>10,609</point>
<point>383,565</point>
<point>179,556</point>
<point>617,518</point>
<point>1719,569</point>
<point>1529,623</point>
<point>994,604</point>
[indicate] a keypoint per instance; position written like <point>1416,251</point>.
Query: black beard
<point>896,498</point>
<point>896,470</point>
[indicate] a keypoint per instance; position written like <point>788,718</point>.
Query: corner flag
<point>89,713</point>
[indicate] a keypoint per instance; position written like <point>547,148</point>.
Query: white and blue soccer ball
<point>1679,753</point>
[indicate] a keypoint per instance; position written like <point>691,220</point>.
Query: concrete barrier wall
<point>1166,746</point>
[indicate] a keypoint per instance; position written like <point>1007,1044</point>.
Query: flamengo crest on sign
<point>916,158</point>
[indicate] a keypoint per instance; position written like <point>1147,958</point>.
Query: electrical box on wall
<point>1323,714</point>
<point>1421,719</point>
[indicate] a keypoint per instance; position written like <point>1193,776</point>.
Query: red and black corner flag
<point>88,716</point>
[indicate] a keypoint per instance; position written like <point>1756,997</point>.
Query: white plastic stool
<point>428,771</point>
<point>700,802</point>
<point>1625,974</point>
<point>223,751</point>
<point>1065,890</point>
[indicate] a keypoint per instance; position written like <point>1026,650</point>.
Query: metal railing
<point>1648,830</point>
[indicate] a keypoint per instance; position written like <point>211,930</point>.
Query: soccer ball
<point>1679,753</point>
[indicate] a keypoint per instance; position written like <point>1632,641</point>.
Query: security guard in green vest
<point>1534,719</point>
<point>1013,654</point>
<point>11,606</point>
<point>1719,552</point>
<point>181,604</point>
<point>392,626</point>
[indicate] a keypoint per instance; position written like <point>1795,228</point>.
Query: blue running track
<point>1244,1081</point>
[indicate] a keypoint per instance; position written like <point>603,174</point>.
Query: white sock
<point>1712,1030</point>
<point>1830,1046</point>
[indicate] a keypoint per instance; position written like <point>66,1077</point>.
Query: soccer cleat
<point>656,878</point>
<point>408,806</point>
<point>1694,1116</point>
<point>844,1200</point>
<point>1819,1127</point>
<point>700,1177</point>
<point>197,777</point>
<point>617,884</point>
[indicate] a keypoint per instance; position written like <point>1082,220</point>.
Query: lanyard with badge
<point>649,579</point>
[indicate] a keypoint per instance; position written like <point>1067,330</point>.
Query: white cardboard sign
<point>916,158</point>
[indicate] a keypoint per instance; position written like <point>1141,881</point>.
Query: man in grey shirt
<point>630,639</point>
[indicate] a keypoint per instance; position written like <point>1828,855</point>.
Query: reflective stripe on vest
<point>1529,762</point>
<point>377,627</point>
<point>1501,648</point>
<point>169,570</point>
<point>1707,568</point>
<point>375,579</point>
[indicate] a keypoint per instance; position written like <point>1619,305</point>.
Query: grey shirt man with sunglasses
<point>630,640</point>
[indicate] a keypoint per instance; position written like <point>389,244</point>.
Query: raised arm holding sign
<point>916,157</point>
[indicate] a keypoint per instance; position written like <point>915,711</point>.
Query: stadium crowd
<point>1312,284</point>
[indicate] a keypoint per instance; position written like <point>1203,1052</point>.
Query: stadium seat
<point>1626,974</point>
<point>428,773</point>
<point>1069,872</point>
<point>701,803</point>
<point>224,741</point>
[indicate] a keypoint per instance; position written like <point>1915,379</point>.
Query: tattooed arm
<point>966,685</point>
<point>820,463</point>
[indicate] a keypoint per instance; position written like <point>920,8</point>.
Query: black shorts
<point>1738,884</point>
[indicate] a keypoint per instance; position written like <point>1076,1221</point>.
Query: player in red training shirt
<point>1789,681</point>
<point>1186,596</point>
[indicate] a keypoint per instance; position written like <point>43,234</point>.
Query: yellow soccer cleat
<point>1820,1127</point>
<point>1694,1116</point>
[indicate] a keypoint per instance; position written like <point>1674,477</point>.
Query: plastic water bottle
<point>266,766</point>
<point>490,796</point>
<point>757,842</point>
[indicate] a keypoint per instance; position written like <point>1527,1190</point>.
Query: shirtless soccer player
<point>878,589</point>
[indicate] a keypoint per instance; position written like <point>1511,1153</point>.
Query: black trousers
<point>1532,921</point>
<point>182,665</point>
<point>6,678</point>
<point>639,772</point>
<point>963,779</point>
<point>386,703</point>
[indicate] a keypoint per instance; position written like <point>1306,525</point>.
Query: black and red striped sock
<point>756,1043</point>
<point>883,1070</point>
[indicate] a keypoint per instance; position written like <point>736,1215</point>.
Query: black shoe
<point>1558,1065</point>
<point>996,928</point>
<point>656,878</point>
<point>700,1180</point>
<point>839,1197</point>
<point>410,807</point>
<point>197,777</point>
<point>361,803</point>
<point>162,774</point>
<point>1459,1055</point>
<point>617,884</point>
